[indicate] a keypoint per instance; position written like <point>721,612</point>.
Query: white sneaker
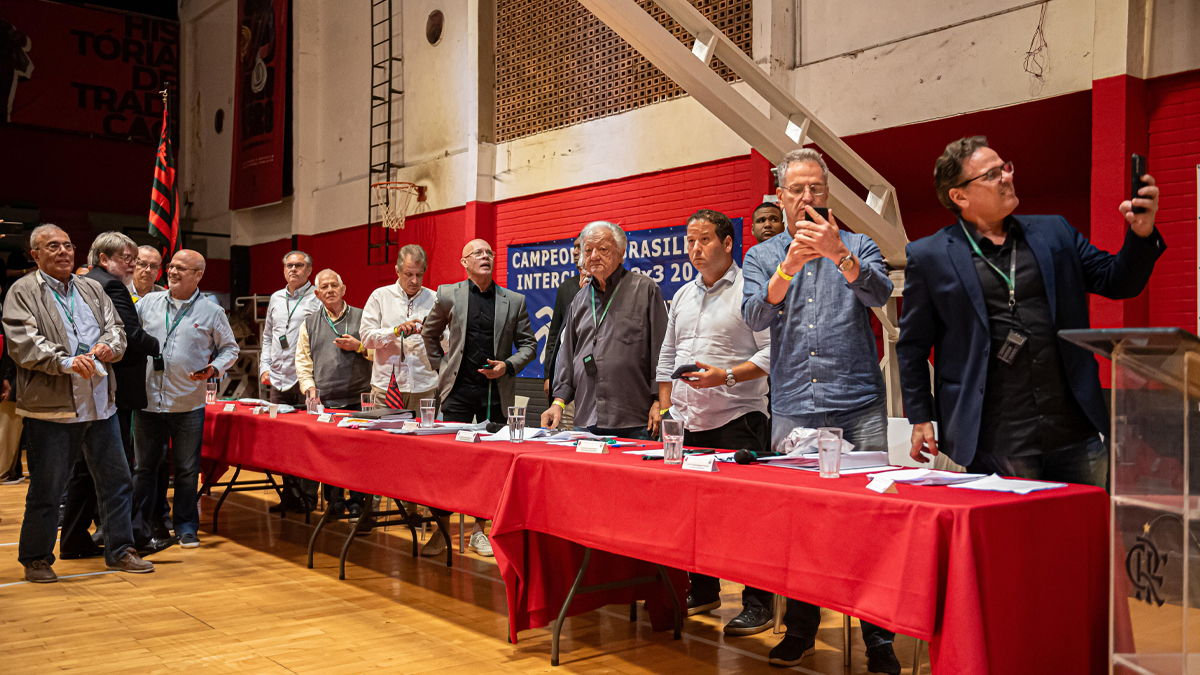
<point>435,545</point>
<point>15,481</point>
<point>480,544</point>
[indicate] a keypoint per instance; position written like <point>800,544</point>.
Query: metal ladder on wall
<point>878,216</point>
<point>384,96</point>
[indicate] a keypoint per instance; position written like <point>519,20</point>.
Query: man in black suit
<point>112,258</point>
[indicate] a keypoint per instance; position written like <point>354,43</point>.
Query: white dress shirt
<point>705,324</point>
<point>199,335</point>
<point>286,312</point>
<point>387,308</point>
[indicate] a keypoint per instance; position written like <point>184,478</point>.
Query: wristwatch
<point>730,380</point>
<point>845,264</point>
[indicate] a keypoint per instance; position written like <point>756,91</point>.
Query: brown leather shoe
<point>40,572</point>
<point>130,562</point>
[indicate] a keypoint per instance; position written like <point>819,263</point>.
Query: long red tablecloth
<point>434,471</point>
<point>998,583</point>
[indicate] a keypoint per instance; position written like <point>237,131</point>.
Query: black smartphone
<point>684,370</point>
<point>1137,169</point>
<point>821,211</point>
<point>10,227</point>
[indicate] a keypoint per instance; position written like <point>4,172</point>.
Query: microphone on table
<point>493,427</point>
<point>748,456</point>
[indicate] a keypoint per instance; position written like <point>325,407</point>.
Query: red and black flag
<point>164,197</point>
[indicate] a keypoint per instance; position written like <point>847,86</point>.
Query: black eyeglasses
<point>991,175</point>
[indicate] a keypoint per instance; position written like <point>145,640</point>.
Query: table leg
<point>846,640</point>
<point>562,613</point>
<point>462,534</point>
<point>368,509</point>
<point>312,541</point>
<point>917,657</point>
<point>225,493</point>
<point>633,611</point>
<point>666,582</point>
<point>444,530</point>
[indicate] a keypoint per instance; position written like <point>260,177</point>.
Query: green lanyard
<point>69,312</point>
<point>1010,279</point>
<point>293,309</point>
<point>178,317</point>
<point>330,321</point>
<point>606,306</point>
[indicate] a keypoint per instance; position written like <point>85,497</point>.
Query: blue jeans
<point>866,428</point>
<point>151,431</point>
<point>53,449</point>
<point>1085,463</point>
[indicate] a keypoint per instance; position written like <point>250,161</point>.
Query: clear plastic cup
<point>210,393</point>
<point>516,424</point>
<point>428,409</point>
<point>829,451</point>
<point>366,402</point>
<point>273,409</point>
<point>672,434</point>
<point>314,403</point>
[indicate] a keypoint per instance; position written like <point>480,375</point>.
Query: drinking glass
<point>427,411</point>
<point>314,403</point>
<point>672,434</point>
<point>210,393</point>
<point>829,451</point>
<point>273,409</point>
<point>366,402</point>
<point>516,424</point>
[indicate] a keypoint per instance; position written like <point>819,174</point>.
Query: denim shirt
<point>202,337</point>
<point>92,402</point>
<point>823,355</point>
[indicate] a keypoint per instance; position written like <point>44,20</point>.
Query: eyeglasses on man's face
<point>991,175</point>
<point>181,269</point>
<point>55,247</point>
<point>127,259</point>
<point>481,255</point>
<point>295,266</point>
<point>143,265</point>
<point>815,189</point>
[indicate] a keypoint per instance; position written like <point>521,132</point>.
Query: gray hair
<point>797,157</point>
<point>412,251</point>
<point>38,231</point>
<point>339,277</point>
<point>613,228</point>
<point>109,244</point>
<point>151,249</point>
<point>307,257</point>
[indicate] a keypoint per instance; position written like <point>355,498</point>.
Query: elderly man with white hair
<point>608,354</point>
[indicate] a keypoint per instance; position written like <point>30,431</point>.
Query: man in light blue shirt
<point>197,345</point>
<point>814,288</point>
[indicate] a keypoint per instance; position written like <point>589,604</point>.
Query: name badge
<point>283,341</point>
<point>257,410</point>
<point>882,485</point>
<point>594,447</point>
<point>467,436</point>
<point>229,407</point>
<point>705,463</point>
<point>81,349</point>
<point>411,425</point>
<point>325,417</point>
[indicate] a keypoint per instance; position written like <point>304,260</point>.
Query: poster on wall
<point>260,104</point>
<point>85,70</point>
<point>536,270</point>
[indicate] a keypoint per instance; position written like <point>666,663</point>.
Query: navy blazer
<point>944,311</point>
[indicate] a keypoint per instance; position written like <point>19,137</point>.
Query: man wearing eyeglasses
<point>477,374</point>
<point>813,287</point>
<point>197,345</point>
<point>988,295</point>
<point>145,272</point>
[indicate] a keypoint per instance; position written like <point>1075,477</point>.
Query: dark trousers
<point>751,431</point>
<point>53,447</point>
<point>1085,463</point>
<point>335,497</point>
<point>295,489</point>
<point>465,410</point>
<point>152,431</point>
<point>80,510</point>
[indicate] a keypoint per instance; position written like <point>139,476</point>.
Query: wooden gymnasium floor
<point>245,603</point>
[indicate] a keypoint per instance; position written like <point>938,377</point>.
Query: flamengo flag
<point>164,197</point>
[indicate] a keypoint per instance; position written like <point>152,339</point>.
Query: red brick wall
<point>1174,112</point>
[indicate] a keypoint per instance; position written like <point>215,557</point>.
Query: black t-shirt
<point>471,386</point>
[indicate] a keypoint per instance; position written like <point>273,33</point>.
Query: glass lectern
<point>1155,467</point>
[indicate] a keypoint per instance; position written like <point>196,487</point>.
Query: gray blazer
<point>512,326</point>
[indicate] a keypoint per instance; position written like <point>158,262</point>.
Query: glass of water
<point>427,411</point>
<point>672,434</point>
<point>210,393</point>
<point>366,402</point>
<point>314,403</point>
<point>829,451</point>
<point>516,424</point>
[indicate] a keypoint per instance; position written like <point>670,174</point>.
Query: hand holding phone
<point>1137,169</point>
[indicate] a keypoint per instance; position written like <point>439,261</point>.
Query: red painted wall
<point>1174,114</point>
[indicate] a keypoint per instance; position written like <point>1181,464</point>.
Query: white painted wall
<point>952,69</point>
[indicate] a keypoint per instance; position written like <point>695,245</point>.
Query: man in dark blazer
<point>567,290</point>
<point>988,296</point>
<point>112,258</point>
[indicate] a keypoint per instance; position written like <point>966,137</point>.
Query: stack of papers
<point>996,483</point>
<point>852,462</point>
<point>505,434</point>
<point>925,476</point>
<point>439,428</point>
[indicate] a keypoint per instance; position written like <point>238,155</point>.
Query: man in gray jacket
<point>61,329</point>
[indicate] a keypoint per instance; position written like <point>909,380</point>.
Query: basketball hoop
<point>393,198</point>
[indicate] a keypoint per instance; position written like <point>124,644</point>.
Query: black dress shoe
<point>791,650</point>
<point>752,621</point>
<point>700,605</point>
<point>276,508</point>
<point>882,659</point>
<point>364,526</point>
<point>354,510</point>
<point>94,552</point>
<point>154,545</point>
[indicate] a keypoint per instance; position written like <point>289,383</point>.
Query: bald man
<point>197,345</point>
<point>476,376</point>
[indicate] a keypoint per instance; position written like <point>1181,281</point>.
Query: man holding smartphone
<point>988,295</point>
<point>197,345</point>
<point>813,288</point>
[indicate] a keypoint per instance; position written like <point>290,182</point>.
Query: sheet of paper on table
<point>997,483</point>
<point>505,434</point>
<point>439,429</point>
<point>928,477</point>
<point>852,462</point>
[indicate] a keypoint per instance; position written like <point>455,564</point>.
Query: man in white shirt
<point>724,403</point>
<point>401,375</point>
<point>286,312</point>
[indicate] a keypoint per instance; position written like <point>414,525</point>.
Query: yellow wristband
<point>360,348</point>
<point>396,331</point>
<point>781,273</point>
<point>560,404</point>
<point>664,411</point>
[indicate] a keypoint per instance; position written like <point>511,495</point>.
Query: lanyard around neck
<point>178,317</point>
<point>69,312</point>
<point>330,321</point>
<point>293,307</point>
<point>1010,279</point>
<point>600,320</point>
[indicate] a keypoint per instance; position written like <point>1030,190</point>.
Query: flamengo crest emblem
<point>1142,565</point>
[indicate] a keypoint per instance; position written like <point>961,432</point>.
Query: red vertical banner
<point>260,104</point>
